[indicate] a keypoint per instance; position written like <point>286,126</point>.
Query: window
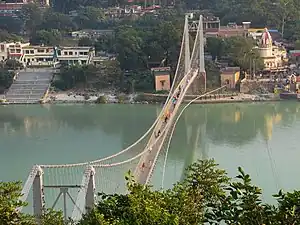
<point>40,50</point>
<point>70,53</point>
<point>85,53</point>
<point>81,53</point>
<point>26,51</point>
<point>31,51</point>
<point>18,50</point>
<point>65,53</point>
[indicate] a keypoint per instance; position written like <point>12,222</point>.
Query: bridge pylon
<point>199,84</point>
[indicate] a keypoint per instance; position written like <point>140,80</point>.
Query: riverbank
<point>147,98</point>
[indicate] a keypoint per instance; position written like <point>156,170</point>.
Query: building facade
<point>274,57</point>
<point>37,55</point>
<point>75,55</point>
<point>30,55</point>
<point>15,50</point>
<point>162,78</point>
<point>230,77</point>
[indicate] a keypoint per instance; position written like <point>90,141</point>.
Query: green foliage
<point>212,74</point>
<point>121,99</point>
<point>107,75</point>
<point>32,17</point>
<point>101,100</point>
<point>89,17</point>
<point>11,25</point>
<point>85,41</point>
<point>241,51</point>
<point>57,21</point>
<point>6,36</point>
<point>44,37</point>
<point>9,195</point>
<point>206,195</point>
<point>6,79</point>
<point>51,217</point>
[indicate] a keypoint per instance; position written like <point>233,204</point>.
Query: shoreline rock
<point>108,98</point>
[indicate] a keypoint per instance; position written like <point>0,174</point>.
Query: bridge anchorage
<point>50,182</point>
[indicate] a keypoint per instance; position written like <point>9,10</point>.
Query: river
<point>260,137</point>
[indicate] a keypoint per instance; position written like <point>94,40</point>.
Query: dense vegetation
<point>151,40</point>
<point>206,194</point>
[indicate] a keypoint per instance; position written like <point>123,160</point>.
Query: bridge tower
<point>199,84</point>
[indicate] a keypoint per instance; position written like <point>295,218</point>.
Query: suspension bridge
<point>67,182</point>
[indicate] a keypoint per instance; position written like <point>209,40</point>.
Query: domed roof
<point>266,39</point>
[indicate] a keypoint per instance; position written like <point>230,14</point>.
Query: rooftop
<point>230,69</point>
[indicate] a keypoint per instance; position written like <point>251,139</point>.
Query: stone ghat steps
<point>29,87</point>
<point>27,91</point>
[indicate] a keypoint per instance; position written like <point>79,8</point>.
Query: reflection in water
<point>235,124</point>
<point>245,135</point>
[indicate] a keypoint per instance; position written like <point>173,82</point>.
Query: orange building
<point>230,77</point>
<point>162,78</point>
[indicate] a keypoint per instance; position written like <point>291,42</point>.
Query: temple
<point>273,56</point>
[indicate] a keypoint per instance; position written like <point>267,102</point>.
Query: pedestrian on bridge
<point>158,133</point>
<point>167,116</point>
<point>143,166</point>
<point>174,100</point>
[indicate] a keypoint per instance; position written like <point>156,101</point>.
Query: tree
<point>10,24</point>
<point>89,17</point>
<point>212,74</point>
<point>32,17</point>
<point>9,202</point>
<point>6,36</point>
<point>183,204</point>
<point>85,41</point>
<point>106,43</point>
<point>215,46</point>
<point>44,37</point>
<point>129,49</point>
<point>206,195</point>
<point>242,52</point>
<point>57,21</point>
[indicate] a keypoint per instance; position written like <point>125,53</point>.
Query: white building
<point>11,50</point>
<point>46,55</point>
<point>74,55</point>
<point>15,50</point>
<point>37,55</point>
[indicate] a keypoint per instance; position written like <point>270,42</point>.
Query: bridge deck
<point>145,166</point>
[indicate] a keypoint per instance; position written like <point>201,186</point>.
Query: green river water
<point>260,137</point>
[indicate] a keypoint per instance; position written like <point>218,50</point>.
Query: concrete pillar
<point>38,194</point>
<point>186,38</point>
<point>90,194</point>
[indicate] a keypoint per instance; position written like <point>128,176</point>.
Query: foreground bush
<point>206,195</point>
